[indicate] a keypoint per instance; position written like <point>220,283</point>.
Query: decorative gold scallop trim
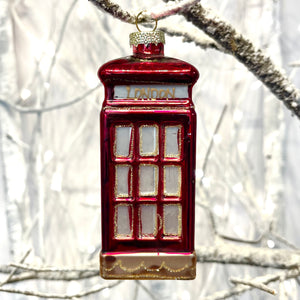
<point>148,266</point>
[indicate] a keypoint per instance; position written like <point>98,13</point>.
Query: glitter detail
<point>151,37</point>
<point>148,265</point>
<point>142,266</point>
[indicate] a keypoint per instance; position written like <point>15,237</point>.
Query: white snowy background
<point>247,148</point>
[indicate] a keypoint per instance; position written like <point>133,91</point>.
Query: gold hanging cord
<point>137,19</point>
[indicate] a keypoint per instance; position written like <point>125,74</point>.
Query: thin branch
<point>284,241</point>
<point>153,297</point>
<point>253,256</point>
<point>266,279</point>
<point>170,9</point>
<point>93,290</point>
<point>54,276</point>
<point>115,10</point>
<point>245,52</point>
<point>295,64</point>
<point>25,110</point>
<point>254,284</point>
<point>13,272</point>
<point>136,290</point>
<point>227,237</point>
<point>52,269</point>
<point>206,159</point>
<point>58,47</point>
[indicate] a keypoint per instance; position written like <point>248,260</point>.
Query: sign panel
<point>150,92</point>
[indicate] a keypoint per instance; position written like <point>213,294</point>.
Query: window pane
<point>123,136</point>
<point>148,220</point>
<point>148,140</point>
<point>148,180</point>
<point>172,220</point>
<point>123,225</point>
<point>123,181</point>
<point>172,181</point>
<point>172,141</point>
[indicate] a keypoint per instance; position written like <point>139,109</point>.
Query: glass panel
<point>123,136</point>
<point>123,181</point>
<point>148,180</point>
<point>148,140</point>
<point>172,220</point>
<point>148,220</point>
<point>123,222</point>
<point>172,141</point>
<point>172,181</point>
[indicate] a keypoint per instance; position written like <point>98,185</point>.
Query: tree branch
<point>266,279</point>
<point>115,10</point>
<point>93,290</point>
<point>254,284</point>
<point>13,272</point>
<point>40,110</point>
<point>244,51</point>
<point>222,253</point>
<point>233,43</point>
<point>260,257</point>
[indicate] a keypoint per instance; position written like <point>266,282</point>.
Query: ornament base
<point>149,265</point>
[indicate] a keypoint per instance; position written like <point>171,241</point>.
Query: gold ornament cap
<point>146,37</point>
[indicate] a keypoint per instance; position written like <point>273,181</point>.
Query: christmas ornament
<point>148,140</point>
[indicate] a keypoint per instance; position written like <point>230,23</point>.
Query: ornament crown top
<point>146,37</point>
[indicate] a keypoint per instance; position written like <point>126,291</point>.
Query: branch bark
<point>260,257</point>
<point>244,51</point>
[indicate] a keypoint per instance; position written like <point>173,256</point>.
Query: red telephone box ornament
<point>148,140</point>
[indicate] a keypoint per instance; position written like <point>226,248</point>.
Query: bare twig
<point>115,10</point>
<point>153,297</point>
<point>58,47</point>
<point>13,272</point>
<point>295,64</point>
<point>266,279</point>
<point>93,290</point>
<point>136,290</point>
<point>25,110</point>
<point>254,284</point>
<point>206,159</point>
<point>227,237</point>
<point>51,269</point>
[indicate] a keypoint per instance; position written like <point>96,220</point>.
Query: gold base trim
<point>148,265</point>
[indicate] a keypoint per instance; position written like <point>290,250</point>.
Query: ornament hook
<point>137,20</point>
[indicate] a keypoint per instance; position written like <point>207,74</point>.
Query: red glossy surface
<point>147,66</point>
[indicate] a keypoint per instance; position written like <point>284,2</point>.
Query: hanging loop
<point>137,20</point>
